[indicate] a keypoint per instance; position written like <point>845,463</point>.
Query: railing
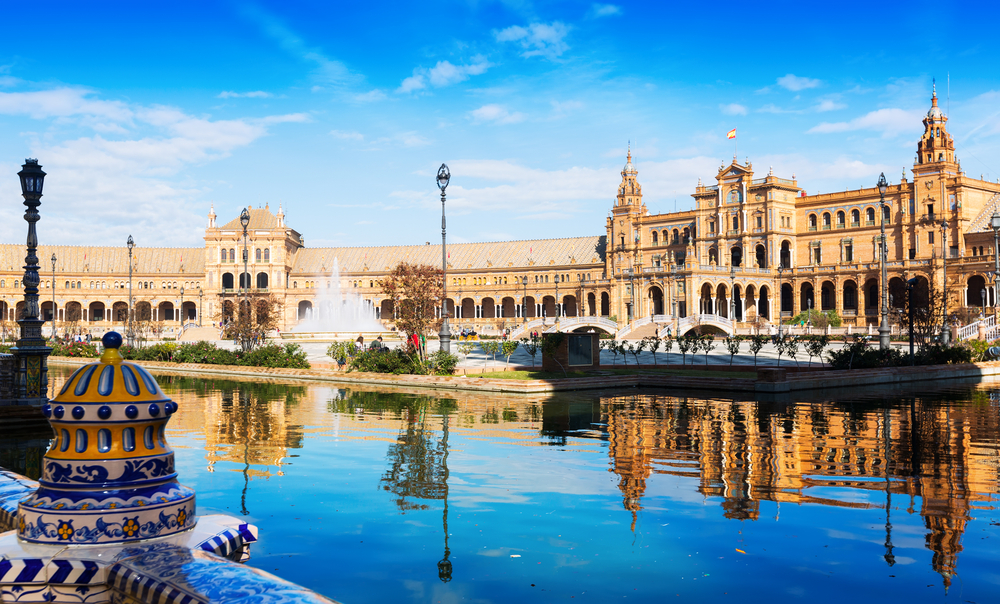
<point>967,332</point>
<point>662,318</point>
<point>637,323</point>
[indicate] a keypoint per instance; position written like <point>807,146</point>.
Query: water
<point>338,311</point>
<point>641,496</point>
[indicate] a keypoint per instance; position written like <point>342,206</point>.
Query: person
<point>361,342</point>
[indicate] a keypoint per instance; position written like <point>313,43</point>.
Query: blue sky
<point>144,116</point>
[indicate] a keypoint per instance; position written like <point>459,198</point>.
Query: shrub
<point>74,349</point>
<point>396,361</point>
<point>289,356</point>
<point>442,363</point>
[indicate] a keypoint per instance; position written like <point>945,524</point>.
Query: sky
<point>145,115</point>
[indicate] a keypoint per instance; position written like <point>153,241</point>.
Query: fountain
<point>338,315</point>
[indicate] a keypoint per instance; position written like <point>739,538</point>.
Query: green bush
<point>860,354</point>
<point>442,363</point>
<point>289,356</point>
<point>74,349</point>
<point>817,319</point>
<point>396,361</point>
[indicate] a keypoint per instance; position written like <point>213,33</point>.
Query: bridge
<point>548,325</point>
<point>688,323</point>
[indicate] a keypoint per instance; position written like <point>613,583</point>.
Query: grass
<point>558,375</point>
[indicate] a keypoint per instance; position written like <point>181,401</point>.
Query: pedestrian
<point>361,342</point>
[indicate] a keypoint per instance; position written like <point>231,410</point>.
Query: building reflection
<point>743,453</point>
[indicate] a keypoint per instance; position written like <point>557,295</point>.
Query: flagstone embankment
<point>768,379</point>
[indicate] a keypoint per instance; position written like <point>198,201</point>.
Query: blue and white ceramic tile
<point>81,594</point>
<point>30,592</point>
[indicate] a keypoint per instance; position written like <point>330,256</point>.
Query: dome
<point>935,113</point>
<point>109,475</point>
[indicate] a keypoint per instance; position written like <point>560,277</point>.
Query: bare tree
<point>251,320</point>
<point>415,291</point>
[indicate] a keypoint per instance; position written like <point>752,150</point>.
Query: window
<point>736,223</point>
<point>655,237</point>
<point>930,237</point>
<point>817,255</point>
<point>826,221</point>
<point>267,255</point>
<point>913,207</point>
<point>222,255</point>
<point>855,218</point>
<point>953,202</point>
<point>840,220</point>
<point>886,214</point>
<point>870,217</point>
<point>913,253</point>
<point>711,227</point>
<point>257,255</point>
<point>232,255</point>
<point>812,222</point>
<point>760,222</point>
<point>848,252</point>
<point>930,211</point>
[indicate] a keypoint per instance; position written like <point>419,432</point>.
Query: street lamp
<point>732,294</point>
<point>944,283</point>
<point>245,281</point>
<point>444,336</point>
<point>199,305</point>
<point>781,299</point>
<point>524,302</point>
<point>883,328</point>
<point>31,351</point>
<point>995,224</point>
<point>53,295</point>
<point>182,308</point>
<point>130,333</point>
<point>557,300</point>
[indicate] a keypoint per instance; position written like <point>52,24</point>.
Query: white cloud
<point>796,83</point>
<point>733,109</point>
<point>443,74</point>
<point>538,39</point>
<point>605,10</point>
<point>829,105</point>
<point>125,181</point>
<point>496,114</point>
<point>563,107</point>
<point>889,122</point>
<point>255,94</point>
<point>370,96</point>
<point>351,136</point>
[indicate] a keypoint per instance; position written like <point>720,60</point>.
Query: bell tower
<point>936,146</point>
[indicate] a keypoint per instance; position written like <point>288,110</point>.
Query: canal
<point>637,496</point>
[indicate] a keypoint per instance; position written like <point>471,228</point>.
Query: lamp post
<point>557,300</point>
<point>982,297</point>
<point>444,336</point>
<point>182,308</point>
<point>130,333</point>
<point>32,375</point>
<point>732,294</point>
<point>781,301</point>
<point>245,282</point>
<point>524,302</point>
<point>995,224</point>
<point>883,328</point>
<point>200,293</point>
<point>54,295</point>
<point>945,336</point>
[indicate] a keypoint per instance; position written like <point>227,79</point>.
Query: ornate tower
<point>936,145</point>
<point>623,228</point>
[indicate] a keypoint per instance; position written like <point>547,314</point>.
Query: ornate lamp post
<point>524,302</point>
<point>130,333</point>
<point>182,308</point>
<point>54,295</point>
<point>732,295</point>
<point>32,369</point>
<point>781,269</point>
<point>883,328</point>
<point>945,336</point>
<point>995,224</point>
<point>444,336</point>
<point>557,300</point>
<point>245,279</point>
<point>199,305</point>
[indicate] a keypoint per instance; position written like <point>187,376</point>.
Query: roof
<point>260,218</point>
<point>461,256</point>
<point>72,259</point>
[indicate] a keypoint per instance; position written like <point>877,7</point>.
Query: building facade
<point>751,248</point>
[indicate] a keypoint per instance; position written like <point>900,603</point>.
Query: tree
<point>491,347</point>
<point>707,343</point>
<point>636,349</point>
<point>465,348</point>
<point>612,347</point>
<point>507,348</point>
<point>733,345</point>
<point>415,291</point>
<point>684,344</point>
<point>792,348</point>
<point>653,344</point>
<point>531,347</point>
<point>815,346</point>
<point>756,343</point>
<point>251,321</point>
<point>668,345</point>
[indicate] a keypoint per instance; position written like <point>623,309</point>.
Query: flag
<point>731,133</point>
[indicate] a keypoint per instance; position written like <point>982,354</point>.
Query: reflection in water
<point>418,461</point>
<point>746,452</point>
<point>921,463</point>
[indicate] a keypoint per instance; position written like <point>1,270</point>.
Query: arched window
<point>232,255</point>
<point>826,220</point>
<point>655,238</point>
<point>222,255</point>
<point>676,236</point>
<point>840,220</point>
<point>855,217</point>
<point>295,284</point>
<point>257,255</point>
<point>812,222</point>
<point>736,223</point>
<point>870,216</point>
<point>886,214</point>
<point>267,255</point>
